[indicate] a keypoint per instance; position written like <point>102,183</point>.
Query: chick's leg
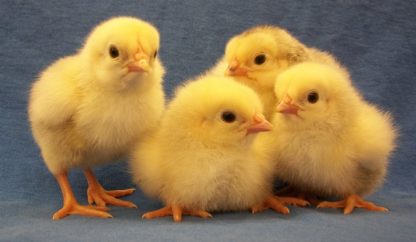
<point>98,195</point>
<point>289,191</point>
<point>351,202</point>
<point>278,204</point>
<point>176,212</point>
<point>71,205</point>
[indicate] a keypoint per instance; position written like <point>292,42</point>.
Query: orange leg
<point>176,212</point>
<point>289,191</point>
<point>98,195</point>
<point>351,202</point>
<point>278,204</point>
<point>71,206</point>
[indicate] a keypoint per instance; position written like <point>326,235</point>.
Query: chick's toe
<point>75,208</point>
<point>176,212</point>
<point>98,195</point>
<point>351,202</point>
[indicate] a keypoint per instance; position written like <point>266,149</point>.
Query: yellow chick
<point>90,108</point>
<point>327,140</point>
<point>257,56</point>
<point>200,160</point>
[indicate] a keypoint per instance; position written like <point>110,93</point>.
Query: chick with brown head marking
<point>257,56</point>
<point>90,108</point>
<point>327,140</point>
<point>200,159</point>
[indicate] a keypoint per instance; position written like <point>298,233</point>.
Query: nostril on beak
<point>287,99</point>
<point>233,66</point>
<point>142,62</point>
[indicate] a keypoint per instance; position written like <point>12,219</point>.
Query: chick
<point>257,56</point>
<point>90,108</point>
<point>328,141</point>
<point>200,160</point>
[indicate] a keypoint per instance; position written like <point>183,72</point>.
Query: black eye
<point>313,97</point>
<point>154,56</point>
<point>114,52</point>
<point>260,59</point>
<point>228,117</point>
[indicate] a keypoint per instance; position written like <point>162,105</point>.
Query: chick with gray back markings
<point>327,140</point>
<point>258,55</point>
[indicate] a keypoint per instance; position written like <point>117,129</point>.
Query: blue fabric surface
<point>374,39</point>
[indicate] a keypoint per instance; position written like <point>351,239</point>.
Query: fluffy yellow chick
<point>200,160</point>
<point>327,140</point>
<point>90,108</point>
<point>256,57</point>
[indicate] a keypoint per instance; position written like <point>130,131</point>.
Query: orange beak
<point>140,63</point>
<point>260,124</point>
<point>234,69</point>
<point>287,107</point>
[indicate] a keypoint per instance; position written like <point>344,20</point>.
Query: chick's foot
<point>71,205</point>
<point>278,204</point>
<point>294,201</point>
<point>176,212</point>
<point>101,197</point>
<point>74,208</point>
<point>290,192</point>
<point>351,202</point>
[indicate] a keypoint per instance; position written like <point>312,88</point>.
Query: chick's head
<point>218,111</point>
<point>121,51</point>
<point>257,55</point>
<point>314,93</point>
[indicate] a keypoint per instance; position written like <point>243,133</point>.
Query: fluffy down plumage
<point>92,107</point>
<point>200,159</point>
<point>258,55</point>
<point>327,140</point>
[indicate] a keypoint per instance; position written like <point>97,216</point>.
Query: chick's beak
<point>141,63</point>
<point>234,69</point>
<point>287,107</point>
<point>260,124</point>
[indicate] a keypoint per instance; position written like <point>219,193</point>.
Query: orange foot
<point>74,208</point>
<point>289,191</point>
<point>98,195</point>
<point>71,205</point>
<point>176,212</point>
<point>351,202</point>
<point>278,204</point>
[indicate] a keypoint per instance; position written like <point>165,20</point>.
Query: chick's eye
<point>228,117</point>
<point>260,59</point>
<point>113,51</point>
<point>313,97</point>
<point>154,56</point>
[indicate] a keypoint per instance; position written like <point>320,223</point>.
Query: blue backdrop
<point>375,40</point>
